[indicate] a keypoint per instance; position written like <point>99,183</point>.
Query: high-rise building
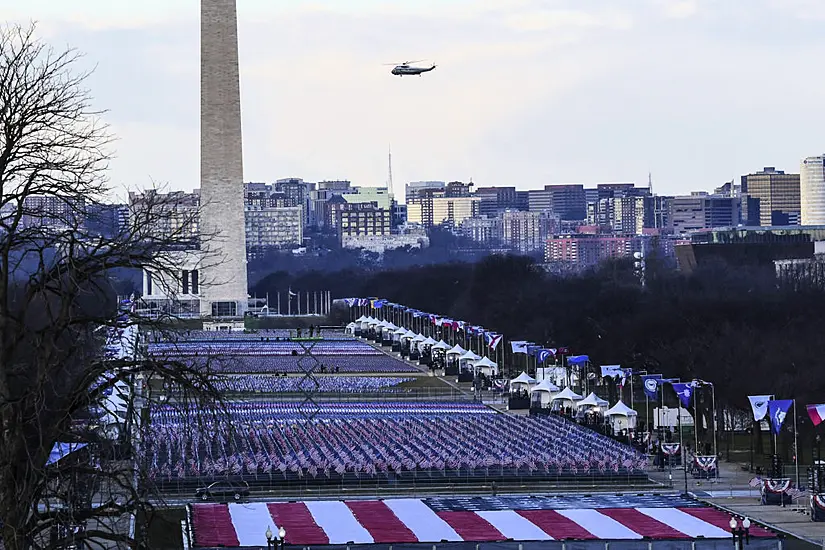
<point>363,219</point>
<point>496,199</point>
<point>58,211</point>
<point>702,211</point>
<point>429,211</point>
<point>540,200</point>
<point>176,216</point>
<point>569,202</point>
<point>223,283</point>
<point>273,227</point>
<point>812,190</point>
<point>296,191</point>
<point>414,189</point>
<point>523,231</point>
<point>319,201</point>
<point>483,230</point>
<point>380,195</point>
<point>778,194</point>
<point>658,212</point>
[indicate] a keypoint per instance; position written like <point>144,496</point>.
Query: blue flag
<point>543,355</point>
<point>777,410</point>
<point>650,384</point>
<point>684,391</point>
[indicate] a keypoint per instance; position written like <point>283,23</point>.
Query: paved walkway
<point>732,493</point>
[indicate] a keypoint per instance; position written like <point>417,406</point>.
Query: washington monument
<point>223,285</point>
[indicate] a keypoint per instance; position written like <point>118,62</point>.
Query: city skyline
<point>559,95</point>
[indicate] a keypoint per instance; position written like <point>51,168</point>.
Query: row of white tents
<point>465,358</point>
<point>548,394</point>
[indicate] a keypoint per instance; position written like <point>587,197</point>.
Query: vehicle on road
<point>224,489</point>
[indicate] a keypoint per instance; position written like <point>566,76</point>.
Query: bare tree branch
<point>58,308</point>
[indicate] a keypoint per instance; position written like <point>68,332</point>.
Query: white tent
<point>441,344</point>
<point>486,366</point>
<point>428,342</point>
<point>400,331</point>
<point>390,325</point>
<point>543,392</point>
<point>408,334</point>
<point>470,356</point>
<point>621,417</point>
<point>419,338</point>
<point>455,350</point>
<point>374,322</point>
<point>566,395</point>
<point>361,319</point>
<point>350,328</point>
<point>522,382</point>
<point>592,400</point>
<point>546,386</point>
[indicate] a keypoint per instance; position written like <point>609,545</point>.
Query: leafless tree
<point>58,306</point>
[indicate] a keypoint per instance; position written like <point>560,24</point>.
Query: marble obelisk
<point>223,276</point>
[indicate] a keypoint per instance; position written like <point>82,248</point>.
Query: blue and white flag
<point>519,346</point>
<point>543,355</point>
<point>777,411</point>
<point>650,384</point>
<point>759,404</point>
<point>684,391</point>
<point>611,370</point>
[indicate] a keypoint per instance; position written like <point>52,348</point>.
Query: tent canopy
<point>409,334</point>
<point>419,338</point>
<point>400,331</point>
<point>620,409</point>
<point>485,362</point>
<point>441,345</point>
<point>361,319</point>
<point>428,342</point>
<point>592,400</point>
<point>546,385</point>
<point>455,350</point>
<point>470,356</point>
<point>523,378</point>
<point>567,394</point>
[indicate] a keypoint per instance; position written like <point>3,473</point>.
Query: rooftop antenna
<point>650,182</point>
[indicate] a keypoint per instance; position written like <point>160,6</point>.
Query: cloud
<point>678,9</point>
<point>546,20</point>
<point>526,92</point>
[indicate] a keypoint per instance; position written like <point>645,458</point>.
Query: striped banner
<point>399,521</point>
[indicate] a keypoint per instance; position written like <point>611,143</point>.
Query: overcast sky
<point>526,93</point>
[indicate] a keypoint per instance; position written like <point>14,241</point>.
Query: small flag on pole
<point>817,413</point>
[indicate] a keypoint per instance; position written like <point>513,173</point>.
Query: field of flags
<point>375,437</point>
<point>250,383</point>
<point>252,354</point>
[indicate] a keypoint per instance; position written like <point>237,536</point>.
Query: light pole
<point>282,537</point>
<point>269,542</point>
<point>740,533</point>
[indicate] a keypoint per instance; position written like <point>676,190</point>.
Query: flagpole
<point>695,425</point>
<point>682,452</point>
<point>795,447</point>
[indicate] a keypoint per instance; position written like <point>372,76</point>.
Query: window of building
<point>224,309</point>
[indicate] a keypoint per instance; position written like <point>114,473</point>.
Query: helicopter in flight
<point>406,68</point>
